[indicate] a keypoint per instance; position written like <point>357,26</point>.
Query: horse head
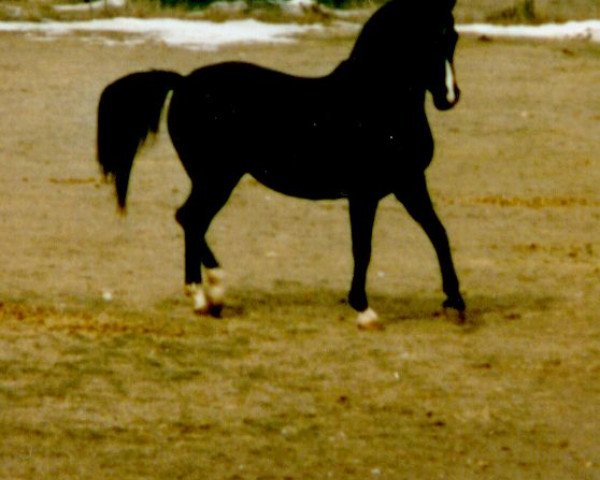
<point>438,47</point>
<point>411,43</point>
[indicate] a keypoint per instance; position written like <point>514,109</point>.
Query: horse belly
<point>302,153</point>
<point>305,176</point>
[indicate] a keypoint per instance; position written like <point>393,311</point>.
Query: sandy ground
<point>514,394</point>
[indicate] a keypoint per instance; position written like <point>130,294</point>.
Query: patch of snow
<point>203,34</point>
<point>581,30</point>
<point>229,6</point>
<point>298,7</point>
<point>194,34</point>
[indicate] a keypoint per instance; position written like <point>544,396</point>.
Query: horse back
<point>311,137</point>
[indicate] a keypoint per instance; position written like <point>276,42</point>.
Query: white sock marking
<point>196,291</point>
<point>367,318</point>
<point>215,287</point>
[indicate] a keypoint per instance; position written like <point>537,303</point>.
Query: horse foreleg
<point>417,201</point>
<point>362,218</point>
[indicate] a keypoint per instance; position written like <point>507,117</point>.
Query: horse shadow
<point>296,300</point>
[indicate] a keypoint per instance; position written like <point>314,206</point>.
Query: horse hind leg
<point>195,217</point>
<point>362,217</point>
<point>193,244</point>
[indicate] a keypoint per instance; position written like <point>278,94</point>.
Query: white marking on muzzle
<point>450,92</point>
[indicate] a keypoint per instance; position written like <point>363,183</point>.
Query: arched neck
<point>380,80</point>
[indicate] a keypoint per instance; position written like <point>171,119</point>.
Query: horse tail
<point>128,111</point>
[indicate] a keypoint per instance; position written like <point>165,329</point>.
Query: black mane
<point>399,26</point>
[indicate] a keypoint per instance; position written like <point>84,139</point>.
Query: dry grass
<point>284,387</point>
<point>277,394</point>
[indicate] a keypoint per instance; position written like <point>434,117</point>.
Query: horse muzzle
<point>447,99</point>
<point>446,94</point>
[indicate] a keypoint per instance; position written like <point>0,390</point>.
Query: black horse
<point>359,133</point>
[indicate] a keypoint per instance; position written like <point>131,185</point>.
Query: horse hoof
<point>458,317</point>
<point>369,321</point>
<point>215,311</point>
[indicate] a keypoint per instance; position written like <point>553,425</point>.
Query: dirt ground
<point>284,386</point>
